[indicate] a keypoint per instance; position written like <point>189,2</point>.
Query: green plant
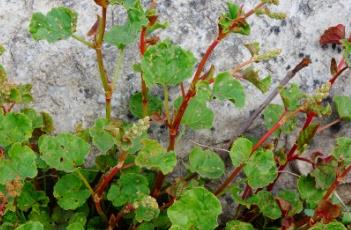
<point>44,183</point>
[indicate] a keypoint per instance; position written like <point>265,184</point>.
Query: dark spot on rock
<point>335,128</point>
<point>252,112</point>
<point>184,29</point>
<point>213,129</point>
<point>301,55</point>
<point>163,127</point>
<point>316,83</point>
<point>339,49</point>
<point>283,23</point>
<point>275,30</point>
<point>305,8</point>
<point>168,3</point>
<point>130,76</point>
<point>88,93</point>
<point>288,67</point>
<point>334,46</point>
<point>298,34</point>
<point>325,46</point>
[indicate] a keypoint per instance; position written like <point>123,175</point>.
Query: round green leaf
<point>343,107</point>
<point>102,139</point>
<point>342,151</point>
<point>261,169</point>
<point>154,156</point>
<point>292,96</point>
<point>70,192</point>
<point>196,208</point>
<point>59,23</point>
<point>30,197</point>
<point>267,204</point>
<point>129,188</point>
<point>154,105</point>
<point>324,175</point>
<point>198,115</point>
<point>308,191</point>
<point>167,64</point>
<point>271,116</point>
<point>36,118</point>
<point>206,163</point>
<point>228,88</point>
<point>122,35</point>
<point>63,152</point>
<point>14,127</point>
<point>20,162</point>
<point>240,151</point>
<point>293,199</point>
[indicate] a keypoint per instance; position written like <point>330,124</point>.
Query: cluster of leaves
<point>45,183</point>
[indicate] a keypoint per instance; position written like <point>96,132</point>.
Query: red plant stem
<point>277,125</point>
<point>247,192</point>
<point>106,179</point>
<point>340,71</point>
<point>144,89</point>
<point>100,60</point>
<point>237,170</point>
<point>290,155</point>
<point>309,119</point>
<point>174,126</point>
<point>329,192</point>
<point>336,183</point>
<point>115,219</point>
<point>304,159</point>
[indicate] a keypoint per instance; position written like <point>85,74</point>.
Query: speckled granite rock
<point>66,83</point>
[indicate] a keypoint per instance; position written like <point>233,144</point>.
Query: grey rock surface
<point>65,78</point>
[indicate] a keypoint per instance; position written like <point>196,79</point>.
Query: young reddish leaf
<point>328,211</point>
<point>333,35</point>
<point>333,67</point>
<point>93,30</point>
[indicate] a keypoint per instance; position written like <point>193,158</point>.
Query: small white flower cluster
<point>137,129</point>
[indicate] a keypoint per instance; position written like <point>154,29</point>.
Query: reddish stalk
<point>115,219</point>
<point>309,119</point>
<point>100,60</point>
<point>174,126</point>
<point>105,181</point>
<point>336,183</point>
<point>237,170</point>
<point>290,155</point>
<point>329,192</point>
<point>305,160</point>
<point>144,89</point>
